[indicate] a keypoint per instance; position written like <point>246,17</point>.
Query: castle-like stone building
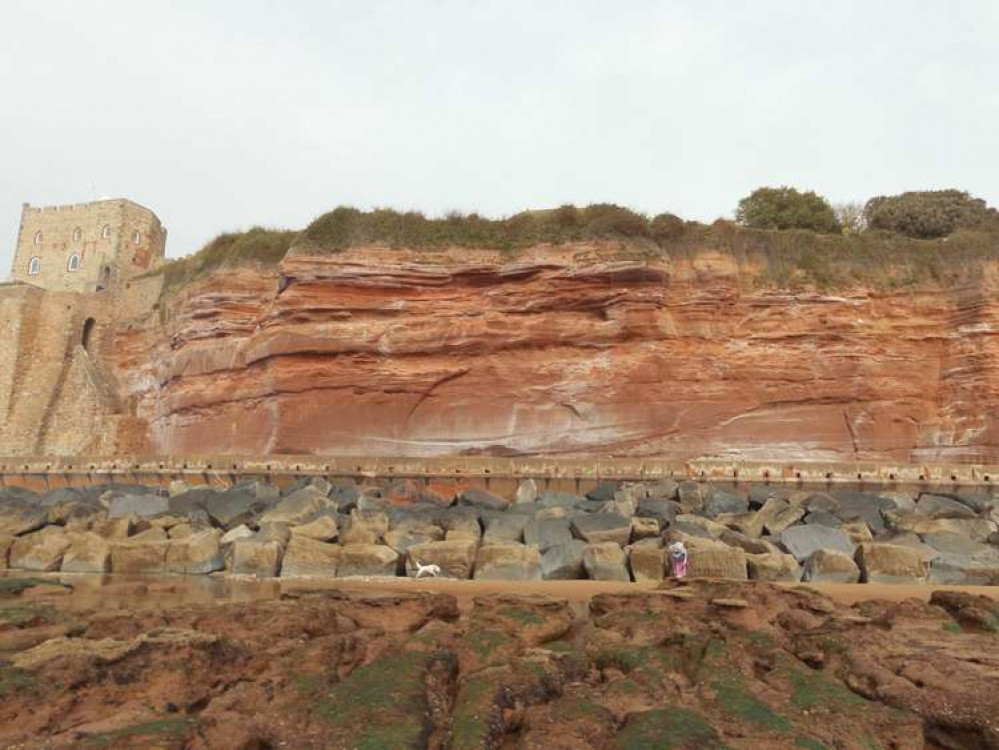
<point>87,247</point>
<point>79,270</point>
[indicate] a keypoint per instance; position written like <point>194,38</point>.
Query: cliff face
<point>565,351</point>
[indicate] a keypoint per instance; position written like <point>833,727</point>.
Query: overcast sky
<point>222,115</point>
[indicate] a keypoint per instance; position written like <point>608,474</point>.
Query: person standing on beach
<point>678,559</point>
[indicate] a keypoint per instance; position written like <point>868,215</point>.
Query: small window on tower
<point>106,232</point>
<point>77,234</point>
<point>136,237</point>
<point>35,266</point>
<point>38,238</point>
<point>74,262</point>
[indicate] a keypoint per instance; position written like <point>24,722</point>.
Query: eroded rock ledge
<point>698,665</point>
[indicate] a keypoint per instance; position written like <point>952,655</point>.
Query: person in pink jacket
<point>678,559</point>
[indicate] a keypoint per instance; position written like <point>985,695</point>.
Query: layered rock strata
<point>577,350</point>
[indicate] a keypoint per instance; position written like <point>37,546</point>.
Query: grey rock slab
<point>662,510</point>
<point>690,496</point>
<point>603,491</point>
<point>143,506</point>
<point>602,527</point>
<point>823,518</point>
<point>952,544</point>
<point>564,562</point>
<point>606,562</point>
<point>938,506</point>
<point>552,499</point>
<point>664,489</point>
<point>803,541</point>
<point>722,502</point>
<point>546,533</point>
<point>506,528</point>
<point>234,507</point>
<point>484,500</point>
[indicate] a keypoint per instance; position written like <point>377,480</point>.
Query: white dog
<point>430,570</point>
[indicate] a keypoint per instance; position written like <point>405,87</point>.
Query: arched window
<point>38,237</point>
<point>106,232</point>
<point>77,234</point>
<point>74,262</point>
<point>35,266</point>
<point>136,237</point>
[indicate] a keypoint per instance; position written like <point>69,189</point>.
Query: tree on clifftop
<point>786,208</point>
<point>931,213</point>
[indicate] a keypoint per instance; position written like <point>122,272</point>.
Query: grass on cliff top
<point>791,259</point>
<point>255,246</point>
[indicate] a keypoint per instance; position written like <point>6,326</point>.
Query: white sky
<point>221,115</point>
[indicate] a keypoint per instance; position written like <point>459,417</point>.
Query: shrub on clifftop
<point>930,214</point>
<point>345,227</point>
<point>787,208</point>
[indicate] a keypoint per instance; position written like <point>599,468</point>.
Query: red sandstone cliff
<point>566,350</point>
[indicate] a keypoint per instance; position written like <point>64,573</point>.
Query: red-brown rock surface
<point>572,350</point>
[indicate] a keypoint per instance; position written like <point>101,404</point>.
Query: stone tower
<point>87,247</point>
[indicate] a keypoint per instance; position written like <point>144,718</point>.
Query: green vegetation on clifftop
<point>779,258</point>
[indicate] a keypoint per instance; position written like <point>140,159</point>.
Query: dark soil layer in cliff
<point>704,664</point>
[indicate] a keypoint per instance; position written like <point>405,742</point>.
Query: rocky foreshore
<point>616,532</point>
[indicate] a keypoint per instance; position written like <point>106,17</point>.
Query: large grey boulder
<point>506,528</point>
<point>40,551</point>
<point>564,561</point>
<point>723,502</point>
<point>545,533</point>
<point>759,494</point>
<point>507,562</point>
<point>803,541</point>
<point>20,518</point>
<point>257,557</point>
<point>603,491</point>
<point>716,560</point>
<point>862,506</point>
<point>746,543</point>
<point>981,569</point>
<point>306,557</point>
<point>484,500</point>
<point>456,559</point>
<point>938,506</point>
<point>823,518</point>
<point>890,563</point>
<point>820,501</point>
<point>605,562</point>
<point>297,508</point>
<point>663,489</point>
<point>952,544</point>
<point>236,506</point>
<point>690,496</point>
<point>412,532</point>
<point>367,560</point>
<point>661,509</point>
<point>197,554</point>
<point>773,566</point>
<point>143,506</point>
<point>648,563</point>
<point>602,527</point>
<point>553,499</point>
<point>87,553</point>
<point>831,566</point>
